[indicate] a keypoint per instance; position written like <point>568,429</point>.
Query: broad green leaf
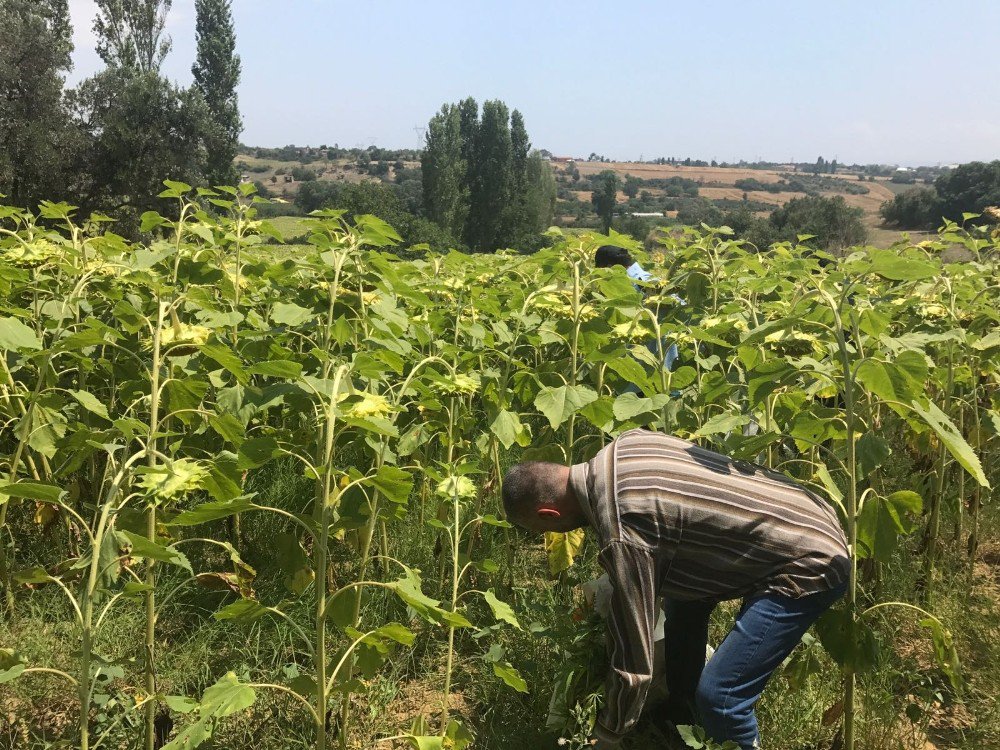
<point>425,742</point>
<point>872,451</point>
<point>901,380</point>
<point>687,733</point>
<point>143,547</point>
<point>804,663</point>
<point>848,641</point>
<point>180,703</point>
<point>883,519</point>
<point>256,452</point>
<point>340,608</point>
<point>491,520</point>
<point>764,330</point>
<point>227,358</point>
<point>629,405</point>
<point>454,619</point>
<point>47,493</point>
<point>228,427</point>
<point>394,483</point>
<point>631,371</point>
<point>600,413</point>
<point>558,404</point>
<point>175,189</point>
<point>952,440</point>
<point>722,423</point>
<point>290,314</point>
<point>11,673</point>
<point>408,589</point>
<point>33,576</point>
<point>226,697</point>
<point>244,610</point>
<point>890,265</point>
<point>396,632</point>
<point>89,402</point>
<point>510,676</point>
<point>16,335</point>
<point>832,490</point>
<point>945,652</point>
<point>212,512</point>
<point>457,486</point>
<point>293,562</point>
<point>277,369</point>
<point>501,610</point>
<point>510,430</point>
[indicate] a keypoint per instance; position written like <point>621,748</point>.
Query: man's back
<point>718,529</point>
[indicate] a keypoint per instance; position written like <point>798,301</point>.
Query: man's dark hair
<point>609,255</point>
<point>526,485</point>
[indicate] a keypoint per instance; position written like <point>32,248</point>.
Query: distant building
<point>563,159</point>
<point>648,214</point>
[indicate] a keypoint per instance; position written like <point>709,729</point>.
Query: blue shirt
<point>638,273</point>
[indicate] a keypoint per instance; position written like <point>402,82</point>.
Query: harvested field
<point>722,175</point>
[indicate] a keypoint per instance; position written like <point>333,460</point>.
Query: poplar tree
<point>443,170</point>
<point>130,33</point>
<point>216,72</point>
<point>481,181</point>
<point>490,190</point>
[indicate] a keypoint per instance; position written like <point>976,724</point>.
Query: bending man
<point>695,527</point>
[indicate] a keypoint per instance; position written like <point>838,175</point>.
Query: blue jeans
<point>721,694</point>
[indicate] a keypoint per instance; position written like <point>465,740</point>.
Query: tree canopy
<point>481,181</point>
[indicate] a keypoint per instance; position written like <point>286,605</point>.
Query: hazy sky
<point>896,81</point>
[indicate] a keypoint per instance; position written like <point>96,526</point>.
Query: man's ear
<point>549,513</point>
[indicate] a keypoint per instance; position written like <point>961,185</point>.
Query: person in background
<point>676,520</point>
<point>608,256</point>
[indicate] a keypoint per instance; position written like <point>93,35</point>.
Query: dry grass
<point>723,175</point>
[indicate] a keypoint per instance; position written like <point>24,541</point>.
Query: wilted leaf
<point>562,548</point>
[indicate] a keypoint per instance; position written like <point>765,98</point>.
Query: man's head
<point>609,255</point>
<point>537,496</point>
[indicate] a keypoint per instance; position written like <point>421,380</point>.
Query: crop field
<point>719,182</point>
<point>249,494</point>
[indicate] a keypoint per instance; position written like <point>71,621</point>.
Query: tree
<point>919,208</point>
<point>698,211</point>
<point>834,223</point>
<point>140,129</point>
<point>631,186</point>
<point>490,190</point>
<point>216,75</point>
<point>537,204</point>
<point>480,179</point>
<point>35,139</point>
<point>378,199</point>
<point>443,170</point>
<point>130,33</point>
<point>520,146</point>
<point>468,116</point>
<point>969,189</point>
<point>605,197</point>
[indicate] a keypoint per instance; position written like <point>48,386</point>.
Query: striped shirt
<point>674,519</point>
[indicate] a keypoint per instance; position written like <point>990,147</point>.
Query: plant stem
<point>149,710</point>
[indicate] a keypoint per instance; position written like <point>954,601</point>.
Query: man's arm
<point>632,570</point>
